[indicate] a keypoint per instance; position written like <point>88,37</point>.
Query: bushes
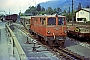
<point>88,22</point>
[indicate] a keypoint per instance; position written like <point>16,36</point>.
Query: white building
<point>83,15</point>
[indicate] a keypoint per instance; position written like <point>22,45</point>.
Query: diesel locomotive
<point>50,29</point>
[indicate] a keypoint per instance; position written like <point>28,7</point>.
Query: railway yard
<point>37,30</point>
<point>21,45</point>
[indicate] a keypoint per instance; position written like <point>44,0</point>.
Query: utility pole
<point>69,13</point>
<point>34,2</point>
<point>20,10</point>
<point>9,11</point>
<point>72,14</point>
<point>89,13</point>
<point>19,13</point>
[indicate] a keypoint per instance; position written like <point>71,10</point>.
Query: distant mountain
<point>65,4</point>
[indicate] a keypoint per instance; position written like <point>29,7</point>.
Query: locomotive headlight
<point>48,32</point>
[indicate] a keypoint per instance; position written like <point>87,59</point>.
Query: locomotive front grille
<point>57,28</point>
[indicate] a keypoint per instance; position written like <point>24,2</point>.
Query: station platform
<point>5,47</point>
<point>4,55</point>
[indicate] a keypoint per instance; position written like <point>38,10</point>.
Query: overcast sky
<point>14,6</point>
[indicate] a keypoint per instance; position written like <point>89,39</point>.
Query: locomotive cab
<point>56,30</point>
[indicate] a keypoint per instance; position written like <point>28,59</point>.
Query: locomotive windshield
<point>51,21</point>
<point>60,21</point>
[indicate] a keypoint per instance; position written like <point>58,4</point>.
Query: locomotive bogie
<point>56,41</point>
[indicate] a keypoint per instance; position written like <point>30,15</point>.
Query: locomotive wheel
<point>47,42</point>
<point>50,43</point>
<point>61,43</point>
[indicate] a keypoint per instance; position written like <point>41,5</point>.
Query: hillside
<point>64,4</point>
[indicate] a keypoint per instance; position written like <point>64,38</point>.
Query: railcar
<point>49,28</point>
<point>12,17</point>
<point>80,33</point>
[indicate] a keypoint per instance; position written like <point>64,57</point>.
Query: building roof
<point>85,9</point>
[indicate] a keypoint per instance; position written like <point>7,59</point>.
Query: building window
<point>81,19</point>
<point>81,12</point>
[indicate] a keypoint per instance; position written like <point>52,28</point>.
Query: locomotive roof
<point>26,17</point>
<point>47,16</point>
<point>29,17</point>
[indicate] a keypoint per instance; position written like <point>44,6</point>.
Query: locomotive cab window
<point>51,21</point>
<point>60,21</point>
<point>43,21</point>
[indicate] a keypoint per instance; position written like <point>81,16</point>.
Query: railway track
<point>62,53</point>
<point>84,44</point>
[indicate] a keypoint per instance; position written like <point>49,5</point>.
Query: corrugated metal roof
<point>29,17</point>
<point>85,9</point>
<point>48,16</point>
<point>26,17</point>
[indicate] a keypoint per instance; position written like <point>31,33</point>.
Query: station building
<point>83,15</point>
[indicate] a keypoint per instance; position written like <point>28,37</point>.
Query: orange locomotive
<point>49,28</point>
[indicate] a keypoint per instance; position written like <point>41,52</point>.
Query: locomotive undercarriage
<point>58,41</point>
<point>50,40</point>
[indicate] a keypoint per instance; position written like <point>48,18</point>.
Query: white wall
<point>82,14</point>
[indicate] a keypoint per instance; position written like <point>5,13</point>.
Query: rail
<point>16,44</point>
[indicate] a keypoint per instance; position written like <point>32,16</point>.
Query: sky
<point>14,6</point>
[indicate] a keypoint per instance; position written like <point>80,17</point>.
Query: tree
<point>79,6</point>
<point>38,7</point>
<point>87,6</point>
<point>55,10</point>
<point>64,11</point>
<point>49,10</point>
<point>42,9</point>
<point>58,10</point>
<point>31,10</point>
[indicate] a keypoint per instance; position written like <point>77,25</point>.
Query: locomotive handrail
<point>22,54</point>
